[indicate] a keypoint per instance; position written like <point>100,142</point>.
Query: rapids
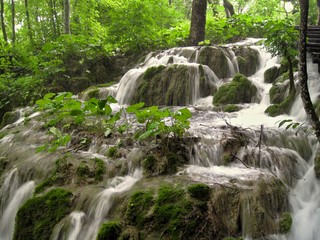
<point>283,153</point>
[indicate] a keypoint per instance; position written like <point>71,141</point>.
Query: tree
<point>28,20</point>
<point>66,17</point>
<point>303,74</point>
<point>228,7</point>
<point>281,41</point>
<point>318,6</point>
<point>3,26</point>
<point>198,22</point>
<point>13,25</point>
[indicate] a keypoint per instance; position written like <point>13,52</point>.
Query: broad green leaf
<point>133,108</point>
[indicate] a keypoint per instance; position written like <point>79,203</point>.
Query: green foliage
<point>285,223</point>
<point>160,122</point>
<point>199,191</point>
<point>281,38</point>
<point>59,139</point>
<point>38,216</point>
<point>109,231</point>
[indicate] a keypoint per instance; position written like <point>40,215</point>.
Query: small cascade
<point>7,219</point>
<point>77,219</point>
<point>102,203</point>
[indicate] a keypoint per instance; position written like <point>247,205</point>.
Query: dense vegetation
<point>44,45</point>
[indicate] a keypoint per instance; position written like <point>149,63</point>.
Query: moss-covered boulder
<point>271,74</point>
<point>109,231</point>
<point>283,107</point>
<point>9,117</point>
<point>38,216</point>
<point>174,85</point>
<point>248,59</point>
<point>215,58</point>
<point>240,90</point>
<point>279,92</point>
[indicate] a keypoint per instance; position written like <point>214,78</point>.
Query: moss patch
<point>199,191</point>
<point>285,223</point>
<point>248,60</point>
<point>283,107</point>
<point>38,216</point>
<point>231,108</point>
<point>109,231</point>
<point>271,74</point>
<point>240,90</point>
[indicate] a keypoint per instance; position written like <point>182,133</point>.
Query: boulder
<point>248,60</point>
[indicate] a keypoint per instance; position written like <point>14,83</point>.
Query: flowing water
<point>212,127</point>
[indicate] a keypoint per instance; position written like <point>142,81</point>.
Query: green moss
<point>283,107</point>
<point>112,152</point>
<point>231,108</point>
<point>271,74</point>
<point>285,223</point>
<point>199,191</point>
<point>60,175</point>
<point>248,60</point>
<point>9,117</point>
<point>152,71</point>
<point>4,163</point>
<point>99,169</point>
<point>240,90</point>
<point>149,165</point>
<point>109,231</point>
<point>138,207</point>
<point>38,216</point>
<point>83,170</point>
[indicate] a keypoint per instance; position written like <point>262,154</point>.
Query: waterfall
<point>8,216</point>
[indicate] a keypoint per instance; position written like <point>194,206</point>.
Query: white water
<point>205,164</point>
<point>8,216</point>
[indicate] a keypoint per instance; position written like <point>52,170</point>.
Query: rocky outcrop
<point>173,85</point>
<point>240,90</point>
<point>248,59</point>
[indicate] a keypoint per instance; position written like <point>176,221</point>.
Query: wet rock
<point>271,74</point>
<point>248,60</point>
<point>240,90</point>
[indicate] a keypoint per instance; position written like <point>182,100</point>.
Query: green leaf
<point>55,132</point>
<point>284,121</point>
<point>135,107</point>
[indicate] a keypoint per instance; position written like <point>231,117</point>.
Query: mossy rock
<point>113,152</point>
<point>271,74</point>
<point>279,92</point>
<point>38,216</point>
<point>109,231</point>
<point>172,85</point>
<point>248,60</point>
<point>231,108</point>
<point>240,90</point>
<point>91,92</point>
<point>4,163</point>
<point>199,191</point>
<point>138,207</point>
<point>317,166</point>
<point>78,84</point>
<point>282,108</point>
<point>285,223</point>
<point>216,59</point>
<point>9,117</point>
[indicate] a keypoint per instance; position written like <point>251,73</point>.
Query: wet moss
<point>199,191</point>
<point>283,107</point>
<point>83,170</point>
<point>9,117</point>
<point>138,207</point>
<point>240,90</point>
<point>231,108</point>
<point>285,223</point>
<point>109,231</point>
<point>248,60</point>
<point>317,166</point>
<point>38,216</point>
<point>112,152</point>
<point>99,169</point>
<point>271,74</point>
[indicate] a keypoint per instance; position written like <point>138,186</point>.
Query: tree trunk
<point>198,22</point>
<point>303,74</point>
<point>3,26</point>
<point>228,7</point>
<point>66,18</point>
<point>28,21</point>
<point>291,78</point>
<point>57,22</point>
<point>213,4</point>
<point>318,18</point>
<point>13,25</point>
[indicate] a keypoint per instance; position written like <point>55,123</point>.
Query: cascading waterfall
<point>282,154</point>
